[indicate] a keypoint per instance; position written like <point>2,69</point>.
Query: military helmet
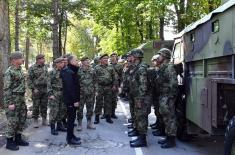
<point>165,52</point>
<point>137,53</point>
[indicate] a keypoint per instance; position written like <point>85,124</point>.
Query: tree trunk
<point>65,33</point>
<point>4,42</point>
<point>27,45</point>
<point>180,10</point>
<point>162,28</point>
<point>17,25</point>
<point>55,29</point>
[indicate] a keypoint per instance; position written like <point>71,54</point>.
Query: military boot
<point>130,120</point>
<point>79,128</point>
<point>90,125</point>
<point>19,141</point>
<point>130,126</point>
<point>108,119</point>
<point>133,133</point>
<point>140,141</point>
<point>60,127</point>
<point>169,143</point>
<point>97,119</point>
<point>11,145</point>
<point>114,115</point>
<point>35,123</point>
<point>53,130</point>
<point>44,122</point>
<point>162,141</point>
<point>159,132</point>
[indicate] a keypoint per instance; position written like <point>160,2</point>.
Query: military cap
<point>155,57</point>
<point>103,55</point>
<point>84,58</point>
<point>58,60</point>
<point>165,52</point>
<point>16,55</point>
<point>137,53</point>
<point>40,56</point>
<point>66,55</point>
<point>114,53</point>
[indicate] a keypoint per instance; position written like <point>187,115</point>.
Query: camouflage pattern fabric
<point>138,89</point>
<point>57,106</point>
<point>87,92</point>
<point>37,79</point>
<point>168,84</point>
<point>105,78</point>
<point>13,93</point>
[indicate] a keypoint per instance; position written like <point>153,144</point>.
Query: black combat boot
<point>11,145</point>
<point>133,133</point>
<point>130,126</point>
<point>130,120</point>
<point>19,141</point>
<point>169,143</point>
<point>113,114</point>
<point>108,119</point>
<point>162,140</point>
<point>140,141</point>
<point>53,130</point>
<point>60,127</point>
<point>97,119</point>
<point>159,132</point>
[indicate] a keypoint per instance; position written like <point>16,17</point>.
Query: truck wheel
<point>229,142</point>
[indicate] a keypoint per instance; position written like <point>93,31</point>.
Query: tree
<point>4,41</point>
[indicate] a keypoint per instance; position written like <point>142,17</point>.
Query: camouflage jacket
<point>37,77</point>
<point>151,74</point>
<point>54,83</point>
<point>14,83</point>
<point>167,80</point>
<point>138,81</point>
<point>105,75</point>
<point>87,81</point>
<point>126,76</point>
<point>118,69</point>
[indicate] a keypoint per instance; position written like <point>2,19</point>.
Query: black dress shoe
<point>74,142</point>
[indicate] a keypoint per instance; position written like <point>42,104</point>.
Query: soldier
<point>37,82</point>
<point>14,102</point>
<point>168,85</point>
<point>106,83</point>
<point>118,69</point>
<point>158,126</point>
<point>87,93</point>
<point>55,99</point>
<point>138,90</point>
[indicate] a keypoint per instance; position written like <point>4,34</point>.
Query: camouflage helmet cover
<point>137,53</point>
<point>165,52</point>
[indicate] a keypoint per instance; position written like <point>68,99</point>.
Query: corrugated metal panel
<point>206,18</point>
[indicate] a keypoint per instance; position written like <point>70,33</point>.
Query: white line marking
<point>138,151</point>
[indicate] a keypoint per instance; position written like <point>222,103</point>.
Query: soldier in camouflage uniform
<point>37,82</point>
<point>55,97</point>
<point>106,82</point>
<point>168,85</point>
<point>14,102</point>
<point>138,90</point>
<point>87,93</point>
<point>158,126</point>
<point>118,69</point>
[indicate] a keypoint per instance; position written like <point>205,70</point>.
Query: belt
<point>18,93</point>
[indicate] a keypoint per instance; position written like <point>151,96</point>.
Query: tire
<point>229,141</point>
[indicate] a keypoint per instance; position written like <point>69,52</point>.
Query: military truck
<point>204,58</point>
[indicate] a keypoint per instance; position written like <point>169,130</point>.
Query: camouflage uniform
<point>14,90</point>
<point>118,69</point>
<point>54,88</point>
<point>37,79</point>
<point>105,78</point>
<point>138,92</point>
<point>167,82</point>
<point>87,92</point>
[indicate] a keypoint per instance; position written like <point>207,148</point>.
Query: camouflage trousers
<point>104,100</point>
<point>114,100</point>
<point>39,105</point>
<point>16,119</point>
<point>141,114</point>
<point>58,109</point>
<point>132,108</point>
<point>155,103</point>
<point>88,100</point>
<point>167,110</point>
